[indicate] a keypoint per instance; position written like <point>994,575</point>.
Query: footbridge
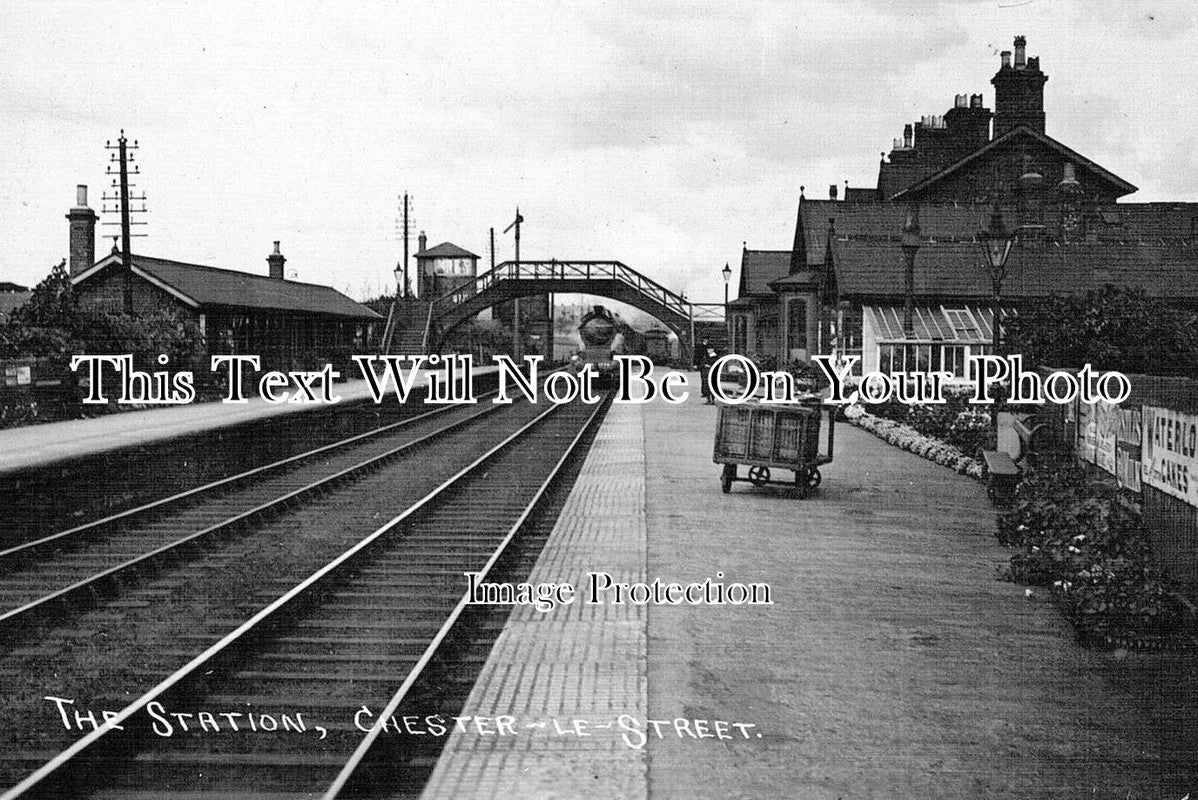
<point>513,280</point>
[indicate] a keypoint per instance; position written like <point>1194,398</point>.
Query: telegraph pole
<point>120,160</point>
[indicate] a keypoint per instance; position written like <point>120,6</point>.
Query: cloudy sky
<point>661,134</point>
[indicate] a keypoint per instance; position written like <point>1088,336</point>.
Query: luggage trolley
<point>766,437</point>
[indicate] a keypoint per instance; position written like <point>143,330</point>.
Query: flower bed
<point>911,440</point>
<point>1090,548</point>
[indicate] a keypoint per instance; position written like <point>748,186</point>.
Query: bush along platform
<point>1089,547</point>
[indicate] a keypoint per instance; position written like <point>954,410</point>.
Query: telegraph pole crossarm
<point>118,165</point>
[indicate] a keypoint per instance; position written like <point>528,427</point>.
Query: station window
<point>927,357</point>
<point>964,325</point>
<point>796,325</point>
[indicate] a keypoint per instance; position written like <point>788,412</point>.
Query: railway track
<point>68,571</point>
<point>384,625</point>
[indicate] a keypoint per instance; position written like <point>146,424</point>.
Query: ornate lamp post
<point>996,242</point>
<point>910,246</point>
<point>727,273</point>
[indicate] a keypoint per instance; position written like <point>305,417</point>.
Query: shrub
<point>1079,536</point>
<point>971,432</point>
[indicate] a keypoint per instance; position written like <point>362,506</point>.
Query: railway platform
<point>890,664</point>
<point>36,446</point>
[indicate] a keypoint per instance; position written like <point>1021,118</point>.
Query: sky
<point>661,134</point>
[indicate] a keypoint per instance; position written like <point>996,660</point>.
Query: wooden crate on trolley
<point>766,437</point>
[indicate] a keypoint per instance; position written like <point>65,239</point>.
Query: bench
<point>1003,472</point>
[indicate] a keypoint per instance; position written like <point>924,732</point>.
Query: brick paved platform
<point>579,661</point>
<point>892,663</point>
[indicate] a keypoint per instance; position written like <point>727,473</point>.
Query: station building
<point>288,323</point>
<point>843,287</point>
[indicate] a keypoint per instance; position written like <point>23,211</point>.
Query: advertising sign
<point>1170,440</point>
<point>1106,426</point>
<point>1087,432</point>
<point>1127,448</point>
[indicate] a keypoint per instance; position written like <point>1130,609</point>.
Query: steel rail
<point>55,767</point>
<point>87,588</point>
<point>27,549</point>
<point>363,749</point>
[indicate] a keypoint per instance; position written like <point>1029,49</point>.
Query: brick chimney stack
<point>276,260</point>
<point>1018,92</point>
<point>422,243</point>
<point>83,233</point>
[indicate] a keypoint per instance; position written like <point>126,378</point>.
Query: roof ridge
<point>240,273</point>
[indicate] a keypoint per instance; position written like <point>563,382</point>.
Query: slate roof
<point>445,250</point>
<point>1149,245</point>
<point>942,269</point>
<point>884,222</point>
<point>211,286</point>
<point>759,268</point>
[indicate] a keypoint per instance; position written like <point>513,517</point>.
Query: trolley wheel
<point>808,479</point>
<point>727,477</point>
<point>759,476</point>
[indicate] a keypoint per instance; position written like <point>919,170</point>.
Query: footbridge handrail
<point>556,270</point>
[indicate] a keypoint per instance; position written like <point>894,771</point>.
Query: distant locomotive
<point>603,335</point>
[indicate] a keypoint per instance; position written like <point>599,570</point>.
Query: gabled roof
<point>445,250</point>
<point>199,286</point>
<point>913,192</point>
<point>758,268</point>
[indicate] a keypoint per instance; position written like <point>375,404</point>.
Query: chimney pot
<point>975,101</point>
<point>833,191</point>
<point>1020,52</point>
<point>276,247</point>
<point>81,196</point>
<point>959,101</point>
<point>1006,59</point>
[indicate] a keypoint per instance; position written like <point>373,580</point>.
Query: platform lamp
<point>996,242</point>
<point>727,273</point>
